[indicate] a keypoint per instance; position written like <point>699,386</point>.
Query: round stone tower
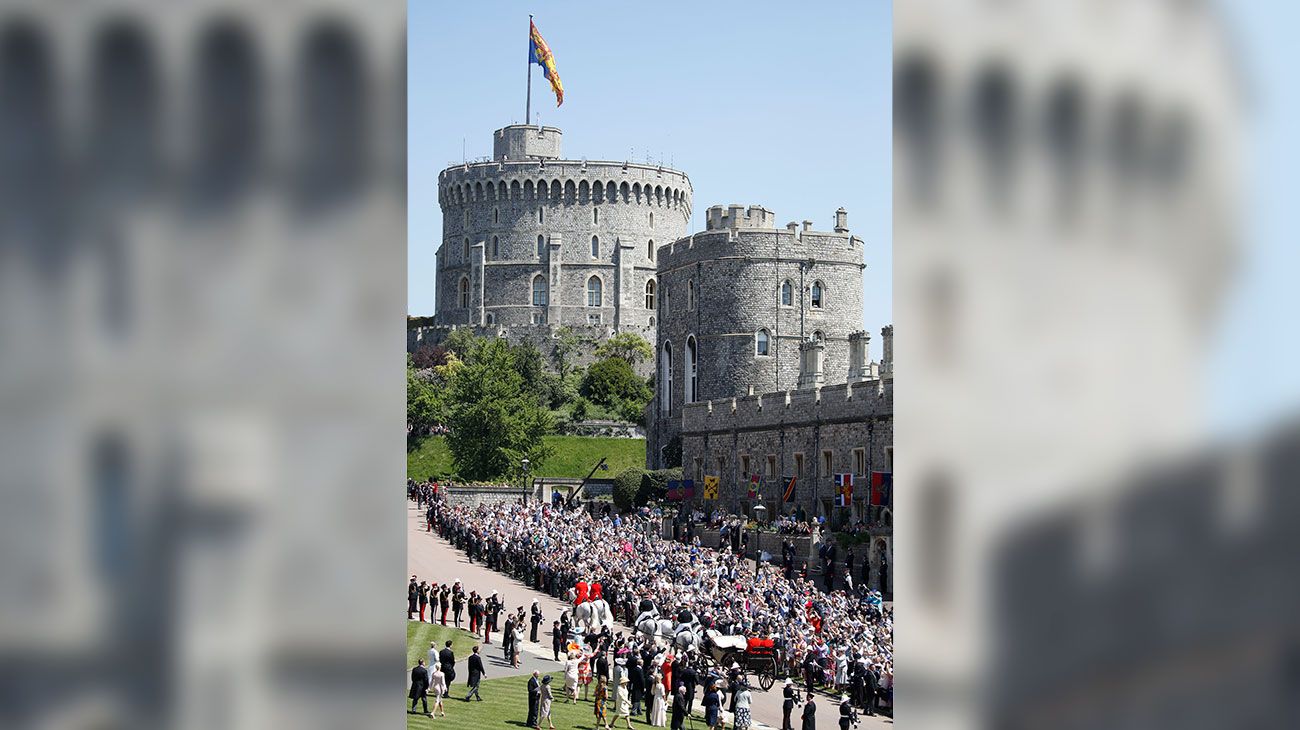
<point>532,241</point>
<point>737,303</point>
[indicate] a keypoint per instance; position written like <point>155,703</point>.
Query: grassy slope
<point>574,457</point>
<point>505,703</point>
<point>418,636</point>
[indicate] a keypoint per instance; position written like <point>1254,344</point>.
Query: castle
<point>763,372</point>
<point>533,242</point>
<point>756,328</point>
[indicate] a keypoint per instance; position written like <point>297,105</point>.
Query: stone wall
<point>506,204</point>
<point>790,433</point>
<point>474,496</point>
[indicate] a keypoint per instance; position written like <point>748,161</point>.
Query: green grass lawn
<point>574,457</point>
<point>418,636</point>
<point>505,702</point>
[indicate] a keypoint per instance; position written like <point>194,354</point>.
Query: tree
<point>460,341</point>
<point>495,419</point>
<point>610,382</point>
<point>627,346</point>
<point>428,356</point>
<point>568,342</point>
<point>425,407</point>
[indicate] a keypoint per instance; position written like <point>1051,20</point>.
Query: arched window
<point>650,250</point>
<point>593,291</point>
<point>595,215</point>
<point>817,295</point>
<point>762,343</point>
<point>652,220</point>
<point>819,336</point>
<point>666,378</point>
<point>690,295</point>
<point>689,391</point>
<point>496,215</point>
<point>467,219</point>
<point>787,293</point>
<point>541,215</point>
<point>541,246</point>
<point>464,292</point>
<point>539,291</point>
<point>490,318</point>
<point>650,294</point>
<point>595,247</point>
<point>464,251</point>
<point>652,321</point>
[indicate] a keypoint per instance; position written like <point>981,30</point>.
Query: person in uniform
<point>787,704</point>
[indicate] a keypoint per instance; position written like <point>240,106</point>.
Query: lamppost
<point>524,487</point>
<point>759,513</point>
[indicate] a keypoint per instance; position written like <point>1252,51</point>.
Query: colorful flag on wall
<point>882,488</point>
<point>540,54</point>
<point>710,487</point>
<point>843,490</point>
<point>787,490</point>
<point>754,483</point>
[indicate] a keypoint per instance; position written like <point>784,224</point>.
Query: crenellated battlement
<point>856,401</point>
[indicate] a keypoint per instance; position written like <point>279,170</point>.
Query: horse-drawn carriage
<point>753,655</point>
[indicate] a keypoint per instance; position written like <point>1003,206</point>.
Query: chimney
<point>792,227</point>
<point>887,351</point>
<point>807,226</point>
<point>859,364</point>
<point>811,354</point>
<point>841,221</point>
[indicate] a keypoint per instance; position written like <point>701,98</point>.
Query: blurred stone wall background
<point>202,239</point>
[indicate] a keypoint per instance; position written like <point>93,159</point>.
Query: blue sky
<point>788,105</point>
<point>1253,376</point>
<point>781,104</point>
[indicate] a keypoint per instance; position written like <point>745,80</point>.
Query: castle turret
<point>811,354</point>
<point>526,142</point>
<point>887,351</point>
<point>859,363</point>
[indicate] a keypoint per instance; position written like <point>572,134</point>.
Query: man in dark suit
<point>447,658</point>
<point>636,682</point>
<point>476,674</point>
<point>536,621</point>
<point>679,708</point>
<point>557,639</point>
<point>534,698</point>
<point>419,687</point>
<point>809,715</point>
<point>508,637</point>
<point>690,679</point>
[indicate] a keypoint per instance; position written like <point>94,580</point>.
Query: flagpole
<point>528,100</point>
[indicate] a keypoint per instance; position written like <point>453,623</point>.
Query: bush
<point>612,381</point>
<point>627,488</point>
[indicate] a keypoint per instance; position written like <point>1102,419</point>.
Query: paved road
<point>432,558</point>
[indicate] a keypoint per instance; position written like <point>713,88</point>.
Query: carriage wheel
<point>767,675</point>
<point>728,659</point>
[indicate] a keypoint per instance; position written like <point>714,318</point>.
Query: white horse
<point>594,615</point>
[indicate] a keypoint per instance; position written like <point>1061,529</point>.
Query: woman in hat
<point>712,706</point>
<point>547,697</point>
<point>571,677</point>
<point>742,707</point>
<point>622,703</point>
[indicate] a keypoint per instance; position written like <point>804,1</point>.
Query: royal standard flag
<point>754,483</point>
<point>843,490</point>
<point>540,54</point>
<point>710,487</point>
